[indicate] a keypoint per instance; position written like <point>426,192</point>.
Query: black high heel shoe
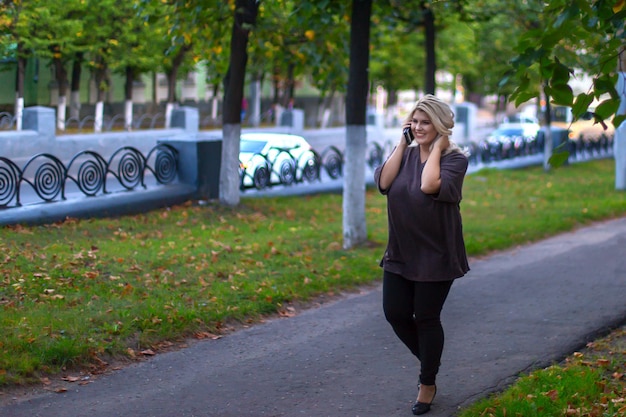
<point>420,408</point>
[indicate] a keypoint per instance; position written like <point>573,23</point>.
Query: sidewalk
<point>514,312</point>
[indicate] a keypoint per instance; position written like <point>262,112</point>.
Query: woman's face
<point>424,131</point>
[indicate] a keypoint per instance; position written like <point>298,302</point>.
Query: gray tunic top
<point>425,230</point>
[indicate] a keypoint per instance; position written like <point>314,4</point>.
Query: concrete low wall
<point>195,177</point>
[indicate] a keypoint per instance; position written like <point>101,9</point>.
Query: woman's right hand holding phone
<point>407,134</point>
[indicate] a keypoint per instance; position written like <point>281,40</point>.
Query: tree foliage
<point>572,35</point>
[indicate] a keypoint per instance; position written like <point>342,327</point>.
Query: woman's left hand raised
<point>442,142</point>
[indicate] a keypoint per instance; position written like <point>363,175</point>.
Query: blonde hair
<point>440,115</point>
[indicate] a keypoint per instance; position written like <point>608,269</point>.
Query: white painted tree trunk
<point>75,105</point>
<point>168,115</point>
<point>215,102</point>
<point>229,170</point>
<point>61,109</point>
<point>278,113</point>
<point>98,117</point>
<point>547,148</point>
<point>619,139</point>
<point>354,224</point>
<point>19,112</point>
<point>255,103</point>
<point>128,115</point>
<point>325,118</point>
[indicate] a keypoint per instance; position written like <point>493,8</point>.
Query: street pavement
<point>514,312</point>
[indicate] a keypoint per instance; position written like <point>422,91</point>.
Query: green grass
<point>80,292</point>
<point>589,383</point>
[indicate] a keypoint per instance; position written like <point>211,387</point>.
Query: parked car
<point>510,140</point>
<point>276,158</point>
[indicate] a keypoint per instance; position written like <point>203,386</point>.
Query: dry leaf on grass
<point>206,335</point>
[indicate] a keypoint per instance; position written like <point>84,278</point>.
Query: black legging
<point>414,309</point>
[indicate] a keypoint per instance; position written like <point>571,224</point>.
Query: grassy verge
<point>589,383</point>
<point>77,293</point>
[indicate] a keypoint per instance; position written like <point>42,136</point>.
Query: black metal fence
<point>44,178</point>
<point>50,179</point>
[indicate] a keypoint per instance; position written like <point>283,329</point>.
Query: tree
<point>14,21</point>
<point>106,21</point>
<point>312,43</point>
<point>354,225</point>
<point>590,33</point>
<point>415,15</point>
<point>245,18</point>
<point>138,48</point>
<point>54,34</point>
<point>214,52</point>
<point>396,62</point>
<point>191,27</point>
<point>179,22</point>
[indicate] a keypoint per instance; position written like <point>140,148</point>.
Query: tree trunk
<point>276,86</point>
<point>61,110</point>
<point>101,87</point>
<point>128,96</point>
<point>214,103</point>
<point>254,104</point>
<point>547,145</point>
<point>20,76</point>
<point>619,138</point>
<point>354,225</point>
<point>154,90</point>
<point>326,109</point>
<point>289,90</point>
<point>172,75</point>
<point>171,95</point>
<point>99,116</point>
<point>245,16</point>
<point>431,62</point>
<point>61,75</point>
<point>75,87</point>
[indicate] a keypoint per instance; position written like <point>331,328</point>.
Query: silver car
<point>268,159</point>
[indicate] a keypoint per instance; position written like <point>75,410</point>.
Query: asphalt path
<point>515,311</point>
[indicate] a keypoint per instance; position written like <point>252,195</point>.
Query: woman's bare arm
<point>431,176</point>
<point>391,168</point>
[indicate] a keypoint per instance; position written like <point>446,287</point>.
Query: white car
<point>276,158</point>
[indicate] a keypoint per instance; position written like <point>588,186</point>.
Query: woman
<point>425,250</point>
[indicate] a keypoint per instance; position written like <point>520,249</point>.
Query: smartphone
<point>408,135</point>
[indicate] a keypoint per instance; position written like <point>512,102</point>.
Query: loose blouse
<point>425,241</point>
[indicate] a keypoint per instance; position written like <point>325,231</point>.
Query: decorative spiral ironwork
<point>286,169</point>
<point>375,157</point>
<point>332,160</point>
<point>310,168</point>
<point>164,163</point>
<point>88,170</point>
<point>9,181</point>
<point>91,172</point>
<point>49,178</point>
<point>130,166</point>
